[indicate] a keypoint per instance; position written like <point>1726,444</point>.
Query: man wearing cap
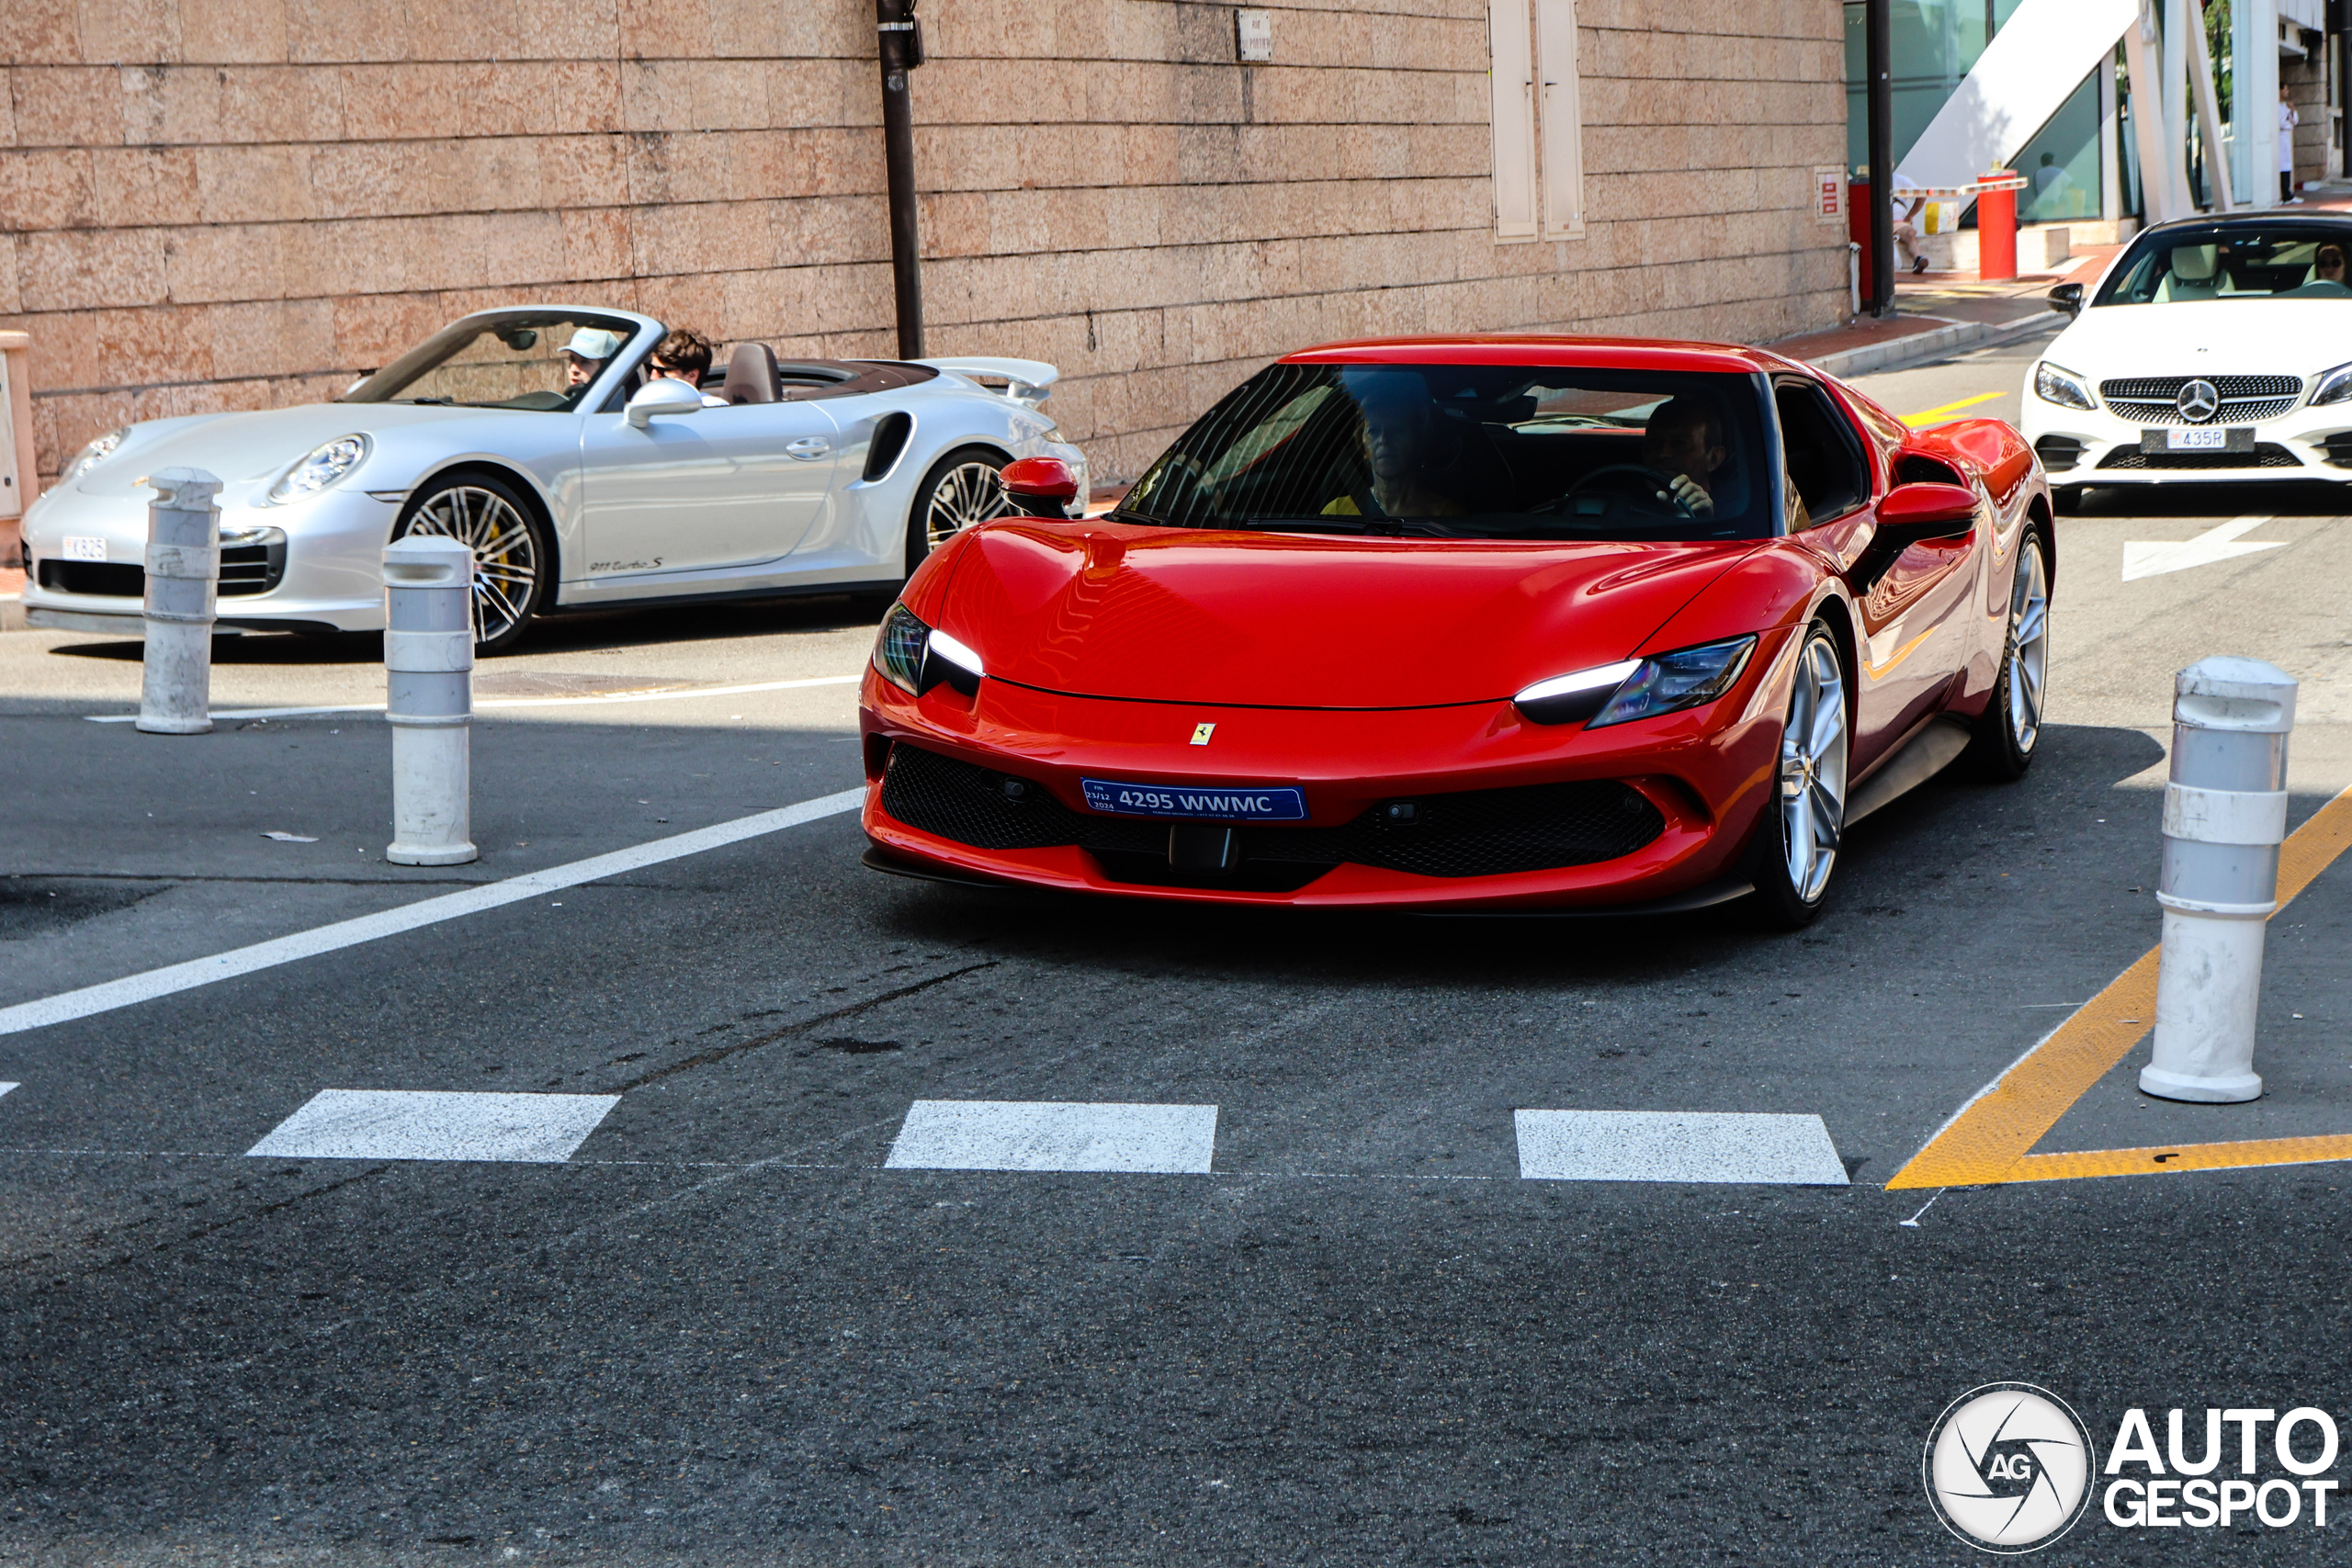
<point>585,354</point>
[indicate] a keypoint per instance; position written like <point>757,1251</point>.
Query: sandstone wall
<point>240,203</point>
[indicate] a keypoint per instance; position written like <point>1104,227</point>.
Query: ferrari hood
<point>2213,337</point>
<point>243,448</point>
<point>1180,616</point>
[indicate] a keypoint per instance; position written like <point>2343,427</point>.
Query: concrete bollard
<point>2226,814</point>
<point>182,576</point>
<point>429,698</point>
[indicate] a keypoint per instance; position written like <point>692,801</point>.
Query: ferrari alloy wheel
<point>2011,726</point>
<point>961,490</point>
<point>510,555</point>
<point>1797,845</point>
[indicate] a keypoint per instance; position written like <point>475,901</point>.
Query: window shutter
<point>1563,119</point>
<point>1514,86</point>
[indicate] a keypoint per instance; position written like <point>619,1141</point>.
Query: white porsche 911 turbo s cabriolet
<point>580,482</point>
<point>2215,350</point>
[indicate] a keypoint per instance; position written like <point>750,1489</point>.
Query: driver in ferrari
<point>1684,444</point>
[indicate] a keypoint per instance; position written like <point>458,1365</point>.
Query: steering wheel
<point>1635,482</point>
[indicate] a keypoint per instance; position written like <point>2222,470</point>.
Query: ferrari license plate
<point>1213,803</point>
<point>2199,438</point>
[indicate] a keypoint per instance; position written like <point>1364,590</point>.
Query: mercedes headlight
<point>2335,385</point>
<point>323,467</point>
<point>914,658</point>
<point>90,456</point>
<point>2065,389</point>
<point>1638,688</point>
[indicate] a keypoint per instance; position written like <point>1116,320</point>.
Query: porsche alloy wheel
<point>1798,845</point>
<point>962,489</point>
<point>488,516</point>
<point>2011,728</point>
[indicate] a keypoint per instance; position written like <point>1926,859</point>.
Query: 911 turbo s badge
<point>1200,733</point>
<point>1223,803</point>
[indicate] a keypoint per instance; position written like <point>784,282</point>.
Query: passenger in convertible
<point>1398,430</point>
<point>1684,442</point>
<point>684,355</point>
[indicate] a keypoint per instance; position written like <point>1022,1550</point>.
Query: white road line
<point>1676,1145</point>
<point>135,988</point>
<point>367,1123</point>
<point>523,702</point>
<point>5,1087</point>
<point>1017,1134</point>
<point>2143,558</point>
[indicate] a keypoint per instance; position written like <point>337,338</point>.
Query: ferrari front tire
<point>2010,727</point>
<point>962,489</point>
<point>1796,844</point>
<point>513,556</point>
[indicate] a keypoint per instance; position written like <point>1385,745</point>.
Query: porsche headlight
<point>2335,385</point>
<point>1638,688</point>
<point>914,658</point>
<point>323,467</point>
<point>2065,389</point>
<point>90,456</point>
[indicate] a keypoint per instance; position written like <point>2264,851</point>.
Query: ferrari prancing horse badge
<point>1200,733</point>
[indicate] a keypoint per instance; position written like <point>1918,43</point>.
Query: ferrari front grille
<point>2154,400</point>
<point>1488,832</point>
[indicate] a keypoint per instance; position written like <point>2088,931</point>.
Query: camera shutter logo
<point>2008,1467</point>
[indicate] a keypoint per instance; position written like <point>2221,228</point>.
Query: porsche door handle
<point>808,447</point>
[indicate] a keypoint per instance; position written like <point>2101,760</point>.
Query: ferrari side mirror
<point>2067,298</point>
<point>663,396</point>
<point>1926,510</point>
<point>1040,487</point>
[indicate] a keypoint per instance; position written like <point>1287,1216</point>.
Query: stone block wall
<point>213,204</point>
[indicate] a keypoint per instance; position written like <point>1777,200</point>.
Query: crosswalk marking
<point>365,1123</point>
<point>1045,1136</point>
<point>1676,1145</point>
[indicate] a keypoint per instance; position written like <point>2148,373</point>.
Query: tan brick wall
<point>241,203</point>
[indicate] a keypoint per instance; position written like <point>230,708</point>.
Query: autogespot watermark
<point>2009,1468</point>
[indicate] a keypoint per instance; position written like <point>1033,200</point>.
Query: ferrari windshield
<point>1470,451</point>
<point>2233,261</point>
<point>541,361</point>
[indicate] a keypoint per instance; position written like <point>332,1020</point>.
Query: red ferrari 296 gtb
<point>1510,623</point>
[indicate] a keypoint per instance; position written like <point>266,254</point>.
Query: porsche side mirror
<point>2067,298</point>
<point>1040,487</point>
<point>663,396</point>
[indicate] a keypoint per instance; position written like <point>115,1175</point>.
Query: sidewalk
<point>1938,313</point>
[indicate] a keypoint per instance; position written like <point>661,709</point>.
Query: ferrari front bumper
<point>1466,807</point>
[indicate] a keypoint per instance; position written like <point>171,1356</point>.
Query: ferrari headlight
<point>2065,389</point>
<point>1573,698</point>
<point>914,658</point>
<point>320,469</point>
<point>90,456</point>
<point>1667,682</point>
<point>2335,385</point>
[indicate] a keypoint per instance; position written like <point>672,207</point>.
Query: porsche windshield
<point>2216,262</point>
<point>541,361</point>
<point>1470,451</point>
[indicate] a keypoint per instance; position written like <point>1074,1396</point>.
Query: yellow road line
<point>1926,414</point>
<point>1991,1138</point>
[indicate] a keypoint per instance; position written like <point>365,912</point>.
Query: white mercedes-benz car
<point>535,435</point>
<point>2215,350</point>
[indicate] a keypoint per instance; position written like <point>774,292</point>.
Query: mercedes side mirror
<point>663,396</point>
<point>1040,487</point>
<point>2067,298</point>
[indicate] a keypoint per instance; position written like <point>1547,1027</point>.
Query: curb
<point>12,614</point>
<point>1918,348</point>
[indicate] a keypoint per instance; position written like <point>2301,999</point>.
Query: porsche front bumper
<point>1440,808</point>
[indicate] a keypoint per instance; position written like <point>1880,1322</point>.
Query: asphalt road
<point>724,1330</point>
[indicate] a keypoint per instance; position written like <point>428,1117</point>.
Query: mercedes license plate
<point>1212,803</point>
<point>2199,438</point>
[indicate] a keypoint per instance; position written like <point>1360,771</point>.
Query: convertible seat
<point>751,375</point>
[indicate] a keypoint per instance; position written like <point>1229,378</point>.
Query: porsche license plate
<point>1212,803</point>
<point>2203,438</point>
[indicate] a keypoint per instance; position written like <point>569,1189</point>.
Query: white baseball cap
<point>593,343</point>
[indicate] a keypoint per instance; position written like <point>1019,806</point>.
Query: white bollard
<point>428,678</point>
<point>182,576</point>
<point>2226,814</point>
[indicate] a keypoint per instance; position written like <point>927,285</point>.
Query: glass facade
<point>1936,43</point>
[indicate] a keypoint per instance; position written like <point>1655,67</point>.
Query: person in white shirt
<point>1908,250</point>
<point>684,355</point>
<point>2288,121</point>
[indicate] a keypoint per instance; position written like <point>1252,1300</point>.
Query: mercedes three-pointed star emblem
<point>2198,402</point>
